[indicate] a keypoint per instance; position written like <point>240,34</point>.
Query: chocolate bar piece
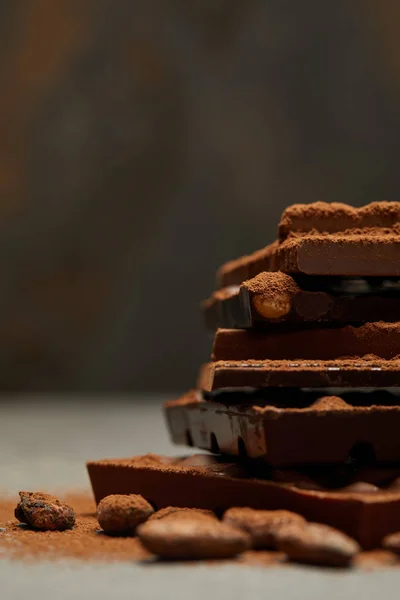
<point>381,339</point>
<point>363,504</point>
<point>336,216</point>
<point>344,254</point>
<point>293,428</point>
<point>275,298</point>
<point>368,371</point>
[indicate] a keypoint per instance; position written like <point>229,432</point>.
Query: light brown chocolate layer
<point>328,496</point>
<point>381,339</point>
<point>353,254</point>
<point>367,371</point>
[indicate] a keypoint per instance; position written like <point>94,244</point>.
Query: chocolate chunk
<point>334,217</point>
<point>381,339</point>
<point>316,544</point>
<point>367,371</point>
<point>120,514</point>
<point>272,300</point>
<point>192,538</point>
<point>261,525</point>
<point>290,427</point>
<point>367,517</point>
<point>44,512</point>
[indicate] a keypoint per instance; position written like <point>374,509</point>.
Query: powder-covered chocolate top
<point>335,217</point>
<point>327,239</point>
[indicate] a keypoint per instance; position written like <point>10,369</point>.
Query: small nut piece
<point>44,512</point>
<point>316,544</point>
<point>272,308</point>
<point>121,514</point>
<point>262,525</point>
<point>192,538</point>
<point>177,512</point>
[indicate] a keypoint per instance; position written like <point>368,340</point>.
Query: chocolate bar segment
<point>349,255</point>
<point>353,372</point>
<point>303,428</point>
<point>381,339</point>
<point>365,504</point>
<point>336,216</point>
<point>274,298</point>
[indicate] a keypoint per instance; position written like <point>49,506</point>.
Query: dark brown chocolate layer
<point>353,254</point>
<point>368,371</point>
<point>381,339</point>
<point>301,428</point>
<point>365,505</point>
<point>334,217</point>
<point>274,298</point>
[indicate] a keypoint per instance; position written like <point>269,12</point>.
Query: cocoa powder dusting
<point>83,542</point>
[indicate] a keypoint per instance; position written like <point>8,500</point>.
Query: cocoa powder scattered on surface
<point>83,542</point>
<point>86,543</point>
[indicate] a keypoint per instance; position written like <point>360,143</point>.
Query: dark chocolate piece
<point>304,429</point>
<point>381,339</point>
<point>213,483</point>
<point>334,217</point>
<point>332,254</point>
<point>368,371</point>
<point>273,299</point>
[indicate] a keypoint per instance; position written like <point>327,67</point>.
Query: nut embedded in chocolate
<point>121,514</point>
<point>192,538</point>
<point>177,512</point>
<point>316,544</point>
<point>44,512</point>
<point>262,525</point>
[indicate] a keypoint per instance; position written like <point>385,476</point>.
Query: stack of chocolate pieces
<point>301,391</point>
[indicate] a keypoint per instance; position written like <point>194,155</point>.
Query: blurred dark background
<point>144,142</point>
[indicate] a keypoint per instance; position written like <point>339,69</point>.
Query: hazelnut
<point>272,308</point>
<point>121,514</point>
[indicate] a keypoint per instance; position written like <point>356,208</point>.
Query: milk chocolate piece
<point>301,300</point>
<point>368,371</point>
<point>334,217</point>
<point>214,483</point>
<point>302,428</point>
<point>344,254</point>
<point>381,339</point>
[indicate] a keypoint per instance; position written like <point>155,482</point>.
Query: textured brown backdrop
<point>144,142</point>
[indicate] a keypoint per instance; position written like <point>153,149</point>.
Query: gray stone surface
<point>44,443</point>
